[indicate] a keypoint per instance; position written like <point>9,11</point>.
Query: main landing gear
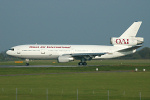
<point>82,63</point>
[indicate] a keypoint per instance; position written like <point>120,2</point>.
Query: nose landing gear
<point>27,62</point>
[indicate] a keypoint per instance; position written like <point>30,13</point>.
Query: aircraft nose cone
<point>8,52</point>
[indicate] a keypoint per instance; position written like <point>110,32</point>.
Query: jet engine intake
<point>131,41</point>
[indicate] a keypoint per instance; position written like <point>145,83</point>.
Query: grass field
<point>61,83</point>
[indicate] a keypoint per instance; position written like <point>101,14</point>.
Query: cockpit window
<point>12,49</point>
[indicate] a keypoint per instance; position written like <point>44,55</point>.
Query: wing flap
<point>87,54</point>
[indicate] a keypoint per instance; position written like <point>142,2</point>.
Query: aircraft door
<point>72,51</point>
<point>43,51</point>
<point>18,51</point>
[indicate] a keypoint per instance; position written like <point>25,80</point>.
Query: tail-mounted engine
<point>127,41</point>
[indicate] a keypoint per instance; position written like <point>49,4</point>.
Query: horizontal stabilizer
<point>130,48</point>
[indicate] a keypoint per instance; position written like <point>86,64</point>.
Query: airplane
<point>126,44</point>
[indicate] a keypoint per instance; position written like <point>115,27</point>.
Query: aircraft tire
<point>80,63</point>
<point>27,64</point>
<point>84,63</point>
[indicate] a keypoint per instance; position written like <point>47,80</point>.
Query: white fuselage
<point>126,44</point>
<point>54,51</point>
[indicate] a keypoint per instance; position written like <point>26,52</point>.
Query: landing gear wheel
<point>27,64</point>
<point>82,63</point>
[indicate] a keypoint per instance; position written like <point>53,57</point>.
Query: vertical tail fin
<point>132,30</point>
<point>128,38</point>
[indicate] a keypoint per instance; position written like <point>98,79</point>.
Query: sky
<point>91,22</point>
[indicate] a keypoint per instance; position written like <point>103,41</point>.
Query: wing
<point>86,56</point>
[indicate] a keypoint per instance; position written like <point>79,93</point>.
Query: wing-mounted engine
<point>65,58</point>
<point>131,41</point>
